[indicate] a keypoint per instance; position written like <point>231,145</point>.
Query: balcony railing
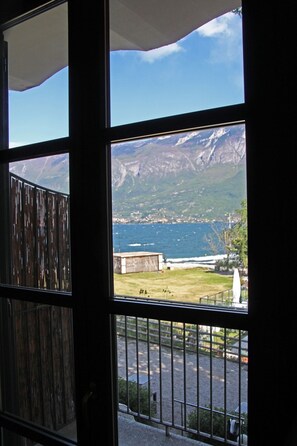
<point>191,379</point>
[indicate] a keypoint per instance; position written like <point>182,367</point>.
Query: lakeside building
<point>135,262</point>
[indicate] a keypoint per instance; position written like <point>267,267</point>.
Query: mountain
<point>193,176</point>
<point>51,172</point>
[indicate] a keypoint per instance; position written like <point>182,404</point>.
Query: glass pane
<point>38,377</point>
<point>38,201</point>
<point>38,78</point>
<point>174,58</point>
<point>179,213</point>
<point>12,439</point>
<point>191,380</point>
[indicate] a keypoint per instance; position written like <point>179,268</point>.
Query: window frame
<point>85,136</point>
<point>89,129</point>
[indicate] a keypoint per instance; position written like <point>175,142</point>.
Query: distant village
<point>153,219</point>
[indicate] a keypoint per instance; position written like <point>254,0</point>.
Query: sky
<point>203,70</point>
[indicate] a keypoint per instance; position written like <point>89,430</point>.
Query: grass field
<point>187,285</point>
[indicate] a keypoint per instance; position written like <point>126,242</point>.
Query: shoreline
<point>206,262</point>
<point>187,265</point>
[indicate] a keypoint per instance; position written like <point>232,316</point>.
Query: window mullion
<point>234,114</point>
<point>90,237</point>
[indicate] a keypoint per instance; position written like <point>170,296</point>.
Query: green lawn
<point>181,284</point>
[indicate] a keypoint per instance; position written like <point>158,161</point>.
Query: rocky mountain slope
<point>199,175</point>
<point>193,176</point>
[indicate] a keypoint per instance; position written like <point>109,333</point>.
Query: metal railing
<point>191,379</point>
<point>225,298</point>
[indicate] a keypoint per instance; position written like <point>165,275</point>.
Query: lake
<point>182,242</point>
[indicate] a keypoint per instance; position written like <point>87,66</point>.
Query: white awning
<point>38,47</point>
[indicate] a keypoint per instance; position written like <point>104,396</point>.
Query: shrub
<point>137,398</point>
<point>218,422</point>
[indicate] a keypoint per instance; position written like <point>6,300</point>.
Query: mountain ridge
<point>193,176</point>
<point>197,175</point>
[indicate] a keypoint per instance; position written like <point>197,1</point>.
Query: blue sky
<point>203,70</point>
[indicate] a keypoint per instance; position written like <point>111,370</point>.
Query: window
<point>177,200</point>
<point>45,243</point>
<point>172,66</point>
<point>167,362</point>
<point>37,346</point>
<point>33,113</point>
<point>173,196</point>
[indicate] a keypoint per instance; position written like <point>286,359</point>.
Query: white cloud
<point>159,53</point>
<point>225,31</point>
<point>221,26</point>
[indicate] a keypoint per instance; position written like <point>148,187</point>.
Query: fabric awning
<point>38,47</point>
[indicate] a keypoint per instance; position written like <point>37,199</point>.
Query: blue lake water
<point>183,241</point>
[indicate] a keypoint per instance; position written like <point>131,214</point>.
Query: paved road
<point>201,380</point>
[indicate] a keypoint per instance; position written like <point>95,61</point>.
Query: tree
<point>238,11</point>
<point>232,240</point>
<point>235,237</point>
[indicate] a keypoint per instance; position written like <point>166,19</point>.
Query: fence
<point>40,238</point>
<point>40,337</point>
